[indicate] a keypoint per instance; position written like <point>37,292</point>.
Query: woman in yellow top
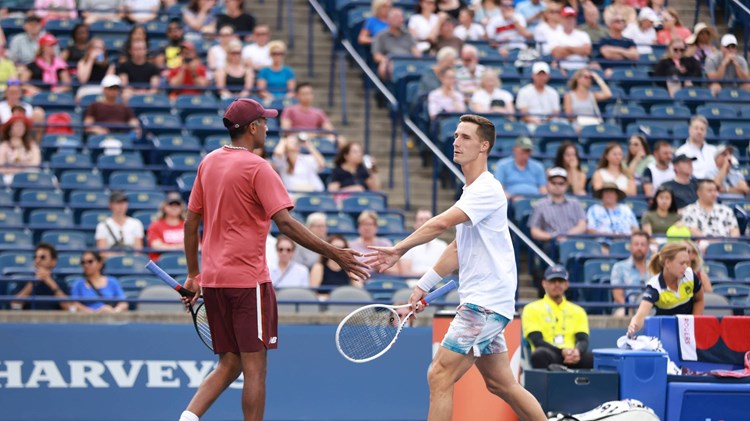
<point>674,289</point>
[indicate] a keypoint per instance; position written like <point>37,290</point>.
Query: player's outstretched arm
<point>346,258</point>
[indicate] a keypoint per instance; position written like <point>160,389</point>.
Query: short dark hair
<point>236,132</point>
<point>343,151</point>
<point>49,247</point>
<point>485,129</point>
<point>640,233</point>
<point>660,144</point>
<point>302,85</point>
<point>704,181</point>
<point>663,189</point>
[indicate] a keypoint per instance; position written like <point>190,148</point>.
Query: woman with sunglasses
<point>94,284</point>
<point>288,273</point>
<point>677,67</point>
<point>278,80</point>
<point>166,233</point>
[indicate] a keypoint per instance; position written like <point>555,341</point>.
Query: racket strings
<point>368,332</point>
<point>201,325</point>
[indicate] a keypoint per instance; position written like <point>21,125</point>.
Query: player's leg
<point>447,368</point>
<point>498,377</point>
<point>226,371</point>
<point>254,390</point>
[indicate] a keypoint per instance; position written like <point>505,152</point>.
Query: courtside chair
<point>15,239</point>
<point>297,294</point>
<point>66,239</point>
<point>351,294</point>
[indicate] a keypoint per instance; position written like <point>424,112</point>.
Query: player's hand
<point>192,283</point>
<point>415,299</point>
<point>382,258</point>
<point>347,259</point>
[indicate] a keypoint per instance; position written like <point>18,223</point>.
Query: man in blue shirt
<point>519,174</point>
<point>532,11</point>
<point>615,47</point>
<point>631,272</point>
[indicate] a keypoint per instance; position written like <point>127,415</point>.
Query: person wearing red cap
<point>48,68</point>
<point>236,195</point>
<point>572,47</point>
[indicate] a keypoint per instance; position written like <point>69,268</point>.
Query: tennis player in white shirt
<point>483,254</point>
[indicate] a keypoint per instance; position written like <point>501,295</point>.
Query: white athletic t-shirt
<point>486,260</point>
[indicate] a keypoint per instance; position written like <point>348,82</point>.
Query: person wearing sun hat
<point>701,42</point>
<point>610,217</point>
<point>727,64</point>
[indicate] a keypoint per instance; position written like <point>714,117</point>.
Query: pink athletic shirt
<point>237,192</point>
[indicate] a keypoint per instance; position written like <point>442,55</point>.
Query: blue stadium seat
<point>60,27</point>
<point>156,28</point>
<point>152,103</point>
<point>185,183</point>
<point>113,43</point>
<point>88,199</point>
<point>195,104</point>
<point>125,160</point>
<point>596,150</point>
<point>174,264</point>
<point>109,27</point>
<point>629,77</point>
<point>87,100</point>
<point>693,96</point>
<point>650,128</point>
<point>206,124</point>
<point>66,239</point>
<point>363,201</point>
<point>11,218</point>
<point>624,113</point>
<point>729,251</point>
<point>160,123</point>
<point>53,102</point>
<point>150,200</point>
<point>522,210</point>
<point>90,218</point>
<point>315,203</point>
<point>737,133</point>
<point>340,223</point>
<point>132,180</point>
<point>510,129</point>
<point>68,263</point>
<point>61,141</point>
<point>715,113</point>
<point>15,262</point>
<point>742,271</point>
<point>126,265</point>
<point>6,197</point>
<point>215,141</point>
<point>569,248</point>
<point>637,206</point>
<point>557,132</point>
<point>36,198</point>
<point>146,216</point>
<point>594,270</point>
<point>95,141</point>
<point>744,111</point>
<point>390,223</point>
<point>33,180</point>
<point>605,132</point>
<point>70,161</point>
<point>81,179</point>
<point>15,239</point>
<point>181,162</point>
<point>325,146</point>
<point>41,219</point>
<point>670,112</point>
<point>383,289</point>
<point>619,248</point>
<point>736,293</point>
<point>716,270</point>
<point>733,95</point>
<point>177,143</point>
<point>647,96</point>
<point>138,282</point>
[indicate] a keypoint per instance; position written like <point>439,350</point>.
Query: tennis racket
<point>370,331</point>
<point>200,319</point>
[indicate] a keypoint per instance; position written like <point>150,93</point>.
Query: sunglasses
<point>41,256</point>
<point>277,54</point>
<point>87,262</point>
<point>13,82</point>
<point>284,250</point>
<point>679,50</point>
<point>175,203</point>
<point>558,183</point>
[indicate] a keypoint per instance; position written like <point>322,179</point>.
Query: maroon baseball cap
<point>244,111</point>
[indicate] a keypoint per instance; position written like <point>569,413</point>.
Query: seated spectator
<point>661,213</point>
<point>56,9</point>
<point>643,32</point>
<point>622,8</point>
<point>48,285</point>
<point>570,47</point>
<point>673,289</point>
<point>119,232</point>
<point>92,68</point>
<point>684,186</point>
<point>581,103</point>
<point>422,22</point>
<point>708,218</point>
<point>557,329</point>
<point>304,116</point>
<point>258,53</point>
<point>172,55</point>
<point>701,44</point>
<point>659,171</point>
<point>697,146</point>
<point>190,73</point>
<point>8,70</point>
<point>446,98</point>
<point>486,10</point>
<point>137,74</point>
<point>532,11</point>
<point>610,217</point>
<point>639,157</point>
<point>367,227</point>
<point>546,30</point>
<point>727,176</point>
<point>167,232</point>
<point>677,66</point>
<point>350,173</point>
<point>393,41</point>
<point>612,169</point>
<point>236,17</point>
<point>726,64</point>
<point>591,24</point>
<point>519,174</point>
<point>137,33</point>
<point>467,29</point>
<point>430,78</point>
<point>442,36</point>
<point>631,274</point>
<point>299,171</point>
<point>14,98</point>
<point>328,273</point>
<point>567,158</point>
<point>696,264</point>
<point>235,78</point>
<point>199,19</point>
<point>671,27</point>
<point>276,80</point>
<point>47,68</point>
<point>615,48</point>
<point>469,71</point>
<point>508,29</point>
<point>288,273</point>
<point>109,115</point>
<point>217,53</point>
<point>140,11</point>
<point>94,284</point>
<point>489,98</point>
<point>376,23</point>
<point>557,216</point>
<point>317,224</point>
<point>657,6</point>
<point>450,7</point>
<point>420,259</point>
<point>23,47</point>
<point>538,102</point>
<point>18,151</point>
<point>101,10</point>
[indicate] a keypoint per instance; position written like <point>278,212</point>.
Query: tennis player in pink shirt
<point>236,194</point>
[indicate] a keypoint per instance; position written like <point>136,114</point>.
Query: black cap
<point>682,157</point>
<point>556,272</point>
<point>117,196</point>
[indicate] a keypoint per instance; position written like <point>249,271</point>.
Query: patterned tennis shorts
<point>478,329</point>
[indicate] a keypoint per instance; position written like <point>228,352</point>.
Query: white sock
<point>188,416</point>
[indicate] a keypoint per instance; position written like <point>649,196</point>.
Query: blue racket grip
<point>434,295</point>
<point>164,276</point>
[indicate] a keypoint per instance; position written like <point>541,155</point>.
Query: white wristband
<point>429,280</point>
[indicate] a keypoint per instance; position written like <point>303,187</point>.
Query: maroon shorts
<point>242,319</point>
